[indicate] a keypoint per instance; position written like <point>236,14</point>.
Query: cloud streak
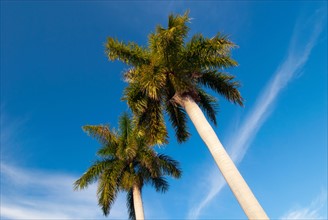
<point>312,211</point>
<point>33,194</point>
<point>303,40</point>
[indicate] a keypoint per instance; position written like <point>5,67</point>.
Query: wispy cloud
<point>312,211</point>
<point>303,40</point>
<point>35,194</point>
<point>10,129</point>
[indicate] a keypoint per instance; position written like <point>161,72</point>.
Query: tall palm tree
<point>126,163</point>
<point>169,75</point>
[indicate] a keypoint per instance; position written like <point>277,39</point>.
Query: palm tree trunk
<point>239,187</point>
<point>137,201</point>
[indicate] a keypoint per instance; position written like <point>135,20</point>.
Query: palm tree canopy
<point>125,160</point>
<point>171,67</point>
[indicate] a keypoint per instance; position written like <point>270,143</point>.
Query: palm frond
<point>125,127</point>
<point>223,84</point>
<point>102,133</point>
<point>209,53</point>
<point>135,97</point>
<point>107,151</point>
<point>178,119</point>
<point>151,122</point>
<point>181,82</point>
<point>92,174</point>
<point>208,103</point>
<point>160,184</point>
<point>147,160</point>
<point>127,179</point>
<point>177,29</point>
<point>129,53</point>
<point>130,205</point>
<point>151,81</point>
<point>107,191</point>
<point>169,166</point>
<point>167,43</point>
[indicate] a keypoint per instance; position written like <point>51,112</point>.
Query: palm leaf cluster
<point>171,67</point>
<point>125,160</point>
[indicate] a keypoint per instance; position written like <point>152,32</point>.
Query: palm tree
<point>126,163</point>
<point>169,76</point>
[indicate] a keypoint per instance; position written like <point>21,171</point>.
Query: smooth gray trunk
<point>137,201</point>
<point>236,182</point>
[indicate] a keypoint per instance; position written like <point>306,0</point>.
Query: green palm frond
<point>151,123</point>
<point>125,128</point>
<point>178,119</point>
<point>160,184</point>
<point>129,53</point>
<point>152,81</point>
<point>109,185</point>
<point>166,43</point>
<point>222,44</point>
<point>178,26</point>
<point>147,160</point>
<point>169,166</point>
<point>127,143</point>
<point>107,151</point>
<point>102,133</point>
<point>107,191</point>
<point>181,82</point>
<point>92,174</point>
<point>130,205</point>
<point>136,98</point>
<point>208,53</point>
<point>208,103</point>
<point>127,179</point>
<point>223,84</point>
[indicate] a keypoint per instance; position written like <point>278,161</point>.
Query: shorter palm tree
<point>126,164</point>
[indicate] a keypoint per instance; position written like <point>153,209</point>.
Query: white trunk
<point>239,187</point>
<point>137,201</point>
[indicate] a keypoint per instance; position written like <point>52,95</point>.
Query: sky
<point>55,78</point>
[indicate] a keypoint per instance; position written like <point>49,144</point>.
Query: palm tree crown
<point>171,68</point>
<point>125,161</point>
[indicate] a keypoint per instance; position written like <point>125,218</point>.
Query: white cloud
<point>33,194</point>
<point>303,40</point>
<point>298,54</point>
<point>9,127</point>
<point>312,211</point>
<point>214,184</point>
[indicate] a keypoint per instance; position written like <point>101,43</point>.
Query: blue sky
<point>55,78</point>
